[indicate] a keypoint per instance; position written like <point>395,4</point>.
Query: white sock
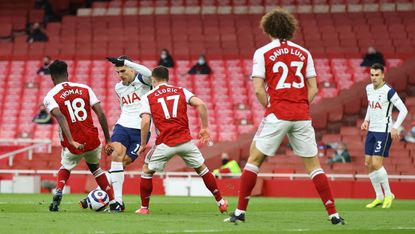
<point>384,181</point>
<point>373,176</point>
<point>334,215</point>
<point>239,212</point>
<point>117,179</point>
<point>220,202</point>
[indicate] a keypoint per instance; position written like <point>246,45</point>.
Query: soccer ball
<point>97,200</point>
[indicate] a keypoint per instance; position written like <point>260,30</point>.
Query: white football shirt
<point>380,105</point>
<point>130,96</point>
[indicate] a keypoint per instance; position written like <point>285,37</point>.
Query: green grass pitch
<point>28,213</point>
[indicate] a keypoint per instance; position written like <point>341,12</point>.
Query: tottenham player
<point>167,106</point>
<point>381,132</point>
<point>287,70</point>
<point>71,103</point>
<point>135,82</point>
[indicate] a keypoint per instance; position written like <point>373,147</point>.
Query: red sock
<point>210,182</point>
<point>247,183</point>
<point>63,176</point>
<point>103,183</point>
<point>323,188</point>
<point>146,187</point>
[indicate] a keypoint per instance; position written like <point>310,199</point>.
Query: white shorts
<point>159,155</point>
<point>70,160</point>
<point>272,131</point>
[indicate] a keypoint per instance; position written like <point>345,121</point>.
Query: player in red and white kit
<point>71,104</point>
<point>167,106</point>
<point>285,84</point>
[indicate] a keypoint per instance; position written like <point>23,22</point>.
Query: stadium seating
<point>336,40</point>
<point>219,36</point>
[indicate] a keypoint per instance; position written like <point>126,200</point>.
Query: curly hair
<point>279,23</point>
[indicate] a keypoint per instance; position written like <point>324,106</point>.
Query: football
<point>97,200</point>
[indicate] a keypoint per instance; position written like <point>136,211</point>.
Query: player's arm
<point>365,123</point>
<point>63,123</point>
<point>145,115</point>
<point>403,111</point>
<point>260,91</point>
<point>311,81</point>
<point>203,113</point>
<point>143,70</point>
<point>311,88</point>
<point>104,125</point>
<point>145,129</point>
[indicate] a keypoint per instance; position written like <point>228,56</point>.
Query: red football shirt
<point>285,66</point>
<point>168,107</point>
<point>75,101</point>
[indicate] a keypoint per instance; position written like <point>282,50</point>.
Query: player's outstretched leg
<point>247,184</point>
<point>103,183</point>
<point>146,187</point>
<point>117,170</point>
<point>63,176</point>
<point>83,203</point>
<point>322,186</point>
<point>210,183</point>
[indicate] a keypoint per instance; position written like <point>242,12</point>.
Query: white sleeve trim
<point>258,65</point>
<point>188,95</point>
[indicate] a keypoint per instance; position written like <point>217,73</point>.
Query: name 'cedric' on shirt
<point>166,90</point>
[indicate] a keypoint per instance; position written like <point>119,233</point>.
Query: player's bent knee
<point>126,161</point>
<point>92,167</point>
<point>311,163</point>
<point>256,157</point>
<point>200,169</point>
<point>147,171</point>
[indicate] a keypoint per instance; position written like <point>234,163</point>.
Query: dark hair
<point>58,68</point>
<point>125,57</point>
<point>166,50</point>
<point>378,66</point>
<point>160,73</point>
<point>279,23</point>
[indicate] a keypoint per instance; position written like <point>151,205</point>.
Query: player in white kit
<point>126,137</point>
<point>381,132</point>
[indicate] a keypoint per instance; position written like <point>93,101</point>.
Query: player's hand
<point>77,145</point>
<point>395,134</point>
<point>116,61</point>
<point>141,149</point>
<point>364,126</point>
<point>108,149</point>
<point>204,136</point>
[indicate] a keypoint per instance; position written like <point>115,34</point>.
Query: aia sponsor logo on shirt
<point>130,99</point>
<point>374,105</point>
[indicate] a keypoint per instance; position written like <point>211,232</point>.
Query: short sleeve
<point>187,95</point>
<point>50,103</point>
<point>258,65</point>
<point>310,70</point>
<point>92,97</point>
<point>144,106</point>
